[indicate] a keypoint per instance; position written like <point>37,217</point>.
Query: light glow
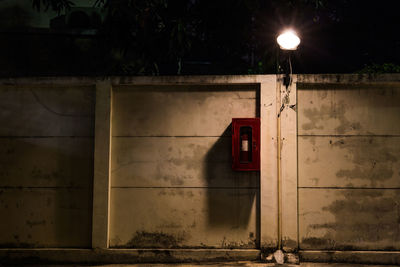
<point>288,40</point>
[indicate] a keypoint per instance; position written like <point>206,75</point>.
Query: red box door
<point>246,144</point>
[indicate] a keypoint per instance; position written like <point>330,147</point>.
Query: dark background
<point>170,37</point>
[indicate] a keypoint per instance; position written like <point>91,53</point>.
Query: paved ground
<point>224,264</point>
<point>252,264</point>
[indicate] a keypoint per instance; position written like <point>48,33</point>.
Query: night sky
<point>364,33</point>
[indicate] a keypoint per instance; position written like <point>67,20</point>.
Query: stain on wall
<point>350,219</point>
<point>349,110</point>
<point>154,240</point>
<point>359,161</point>
<point>317,118</point>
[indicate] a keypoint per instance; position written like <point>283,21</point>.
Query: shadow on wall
<point>45,192</point>
<point>231,194</point>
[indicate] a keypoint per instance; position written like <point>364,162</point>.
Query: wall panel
<point>46,165</point>
<point>345,110</point>
<point>180,110</point>
<point>357,161</point>
<point>348,166</point>
<point>176,162</point>
<point>171,183</point>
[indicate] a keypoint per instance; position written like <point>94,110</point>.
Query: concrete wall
<point>46,165</point>
<point>145,162</point>
<point>172,184</point>
<point>348,166</point>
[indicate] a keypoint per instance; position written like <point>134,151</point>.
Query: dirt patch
<point>142,239</point>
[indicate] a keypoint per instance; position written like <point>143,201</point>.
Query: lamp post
<point>288,41</point>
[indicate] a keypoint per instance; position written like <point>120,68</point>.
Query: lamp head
<point>288,40</point>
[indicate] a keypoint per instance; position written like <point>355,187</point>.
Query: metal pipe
<point>279,171</point>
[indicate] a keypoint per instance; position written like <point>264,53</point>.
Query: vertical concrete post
<point>268,168</point>
<point>102,150</point>
<point>289,216</point>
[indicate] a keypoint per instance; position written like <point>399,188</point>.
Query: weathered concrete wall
<point>170,173</point>
<point>46,166</point>
<point>348,166</point>
<point>172,184</point>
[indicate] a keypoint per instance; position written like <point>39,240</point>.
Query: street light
<point>288,40</point>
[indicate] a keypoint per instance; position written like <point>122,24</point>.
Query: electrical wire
<point>291,71</point>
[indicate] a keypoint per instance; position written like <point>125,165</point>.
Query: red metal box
<point>246,144</point>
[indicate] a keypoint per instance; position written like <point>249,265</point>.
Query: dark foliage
<point>158,37</point>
